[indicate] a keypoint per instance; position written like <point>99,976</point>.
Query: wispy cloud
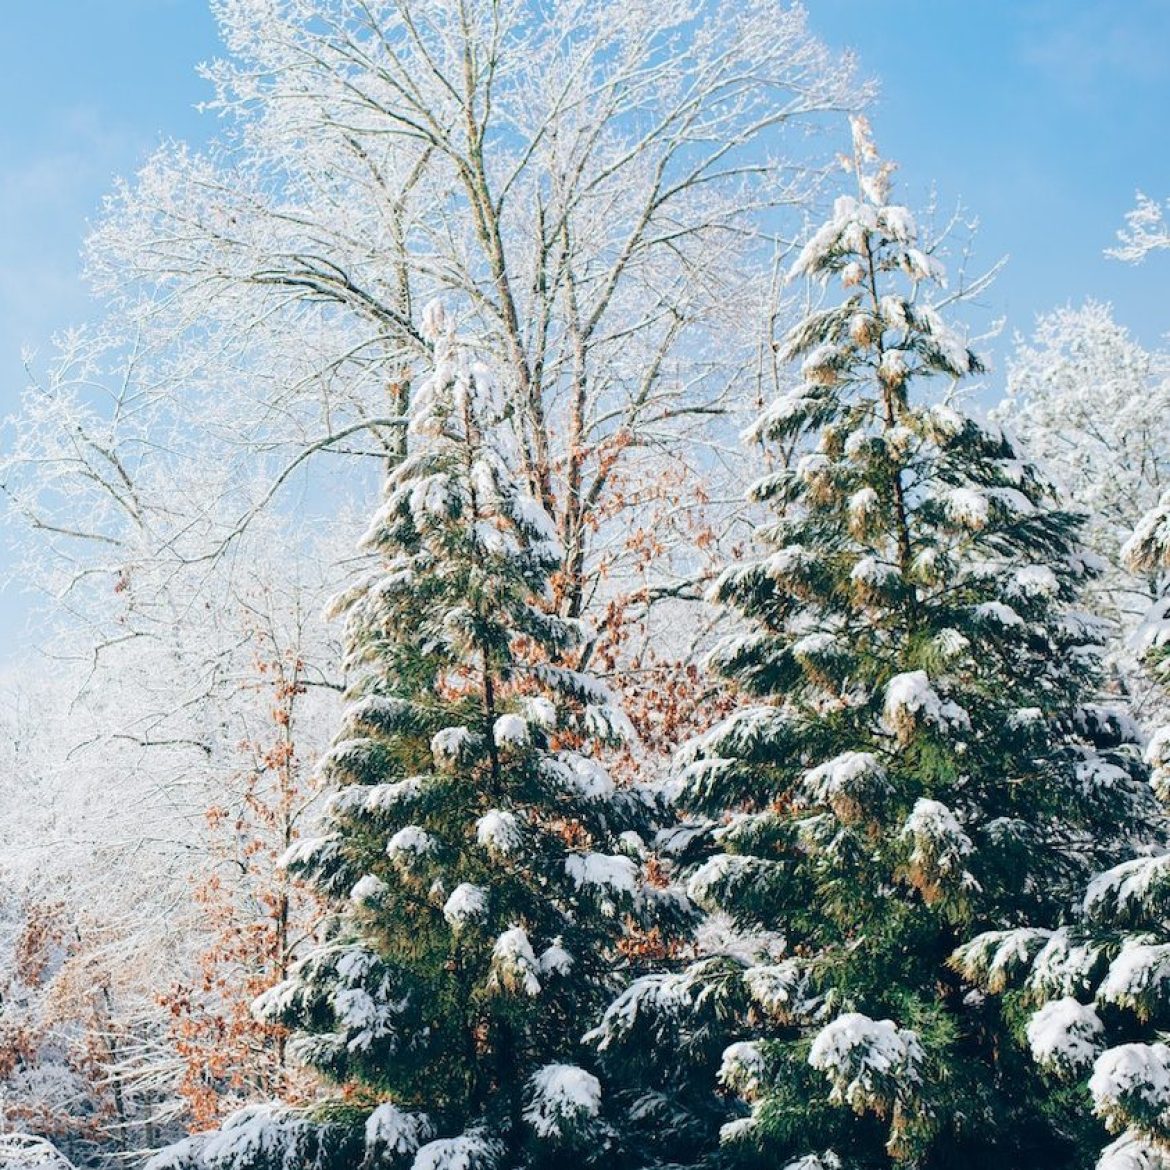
<point>1086,48</point>
<point>48,191</point>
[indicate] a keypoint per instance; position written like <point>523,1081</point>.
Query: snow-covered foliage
<point>922,750</point>
<point>1147,553</point>
<point>1130,1086</point>
<point>1065,1036</point>
<point>849,784</point>
<point>1102,984</point>
<point>260,1137</point>
<point>1132,893</point>
<point>131,919</point>
<point>515,969</point>
<point>461,966</point>
<point>911,700</point>
<point>743,1069</point>
<point>392,1133</point>
<point>1130,1152</point>
<point>939,852</point>
<point>467,903</point>
<point>474,1150</point>
<point>870,1064</point>
<point>24,1151</point>
<point>563,1100</point>
<point>500,831</point>
<point>1145,231</point>
<point>997,957</point>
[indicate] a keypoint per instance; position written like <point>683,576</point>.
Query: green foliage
<point>485,870</point>
<point>926,760</point>
<point>1090,1001</point>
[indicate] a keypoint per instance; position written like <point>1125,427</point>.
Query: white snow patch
<point>869,1063</point>
<point>1036,581</point>
<point>1065,1036</point>
<point>1127,887</point>
<point>473,1150</point>
<point>871,571</point>
<point>826,1161</point>
<point>499,832</point>
<point>847,783</point>
<point>611,872</point>
<point>968,507</point>
<point>393,1132</point>
<point>1139,974</point>
<point>743,1069</point>
<point>411,842</point>
<point>369,888</point>
<point>541,711</point>
<point>562,1096</point>
<point>555,960</point>
<point>449,744</point>
<point>585,776</point>
<point>1127,1076</point>
<point>817,645</point>
<point>510,731</point>
<point>910,698</point>
<point>999,613</point>
<point>1133,1152</point>
<point>467,903</point>
<point>514,967</point>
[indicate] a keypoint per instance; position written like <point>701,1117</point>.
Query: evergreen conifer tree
<point>485,872</point>
<point>924,758</point>
<point>1092,998</point>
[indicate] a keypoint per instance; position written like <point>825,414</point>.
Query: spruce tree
<point>486,874</point>
<point>922,757</point>
<point>1091,999</point>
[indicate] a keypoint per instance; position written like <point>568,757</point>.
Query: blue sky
<point>1040,116</point>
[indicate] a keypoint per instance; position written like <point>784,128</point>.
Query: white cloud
<point>1084,47</point>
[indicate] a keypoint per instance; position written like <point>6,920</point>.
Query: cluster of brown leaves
<point>57,1018</point>
<point>256,918</point>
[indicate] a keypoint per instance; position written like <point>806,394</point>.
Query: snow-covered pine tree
<point>1092,998</point>
<point>485,871</point>
<point>924,760</point>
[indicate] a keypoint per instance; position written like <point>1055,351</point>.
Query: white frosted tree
<point>597,189</point>
<point>1145,231</point>
<point>107,774</point>
<point>1089,404</point>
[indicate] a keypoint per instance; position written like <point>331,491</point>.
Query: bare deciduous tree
<point>598,189</point>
